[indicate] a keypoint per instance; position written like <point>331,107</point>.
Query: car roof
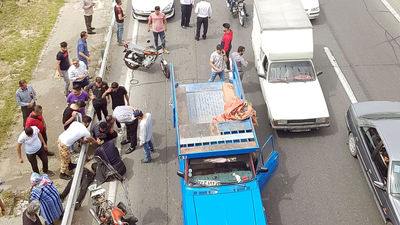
<point>385,117</point>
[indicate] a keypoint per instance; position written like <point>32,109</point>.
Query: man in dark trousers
<point>118,96</point>
<point>63,65</point>
<point>87,6</point>
<point>203,11</point>
<point>99,103</point>
<point>128,115</point>
<point>26,98</point>
<point>226,42</point>
<point>186,8</point>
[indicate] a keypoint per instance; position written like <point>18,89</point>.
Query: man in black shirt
<point>63,64</point>
<point>109,153</point>
<point>99,103</point>
<point>71,113</point>
<point>119,18</point>
<point>117,93</point>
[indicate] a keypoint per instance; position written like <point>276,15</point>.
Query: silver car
<point>374,138</point>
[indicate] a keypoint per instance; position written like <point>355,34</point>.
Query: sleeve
<point>223,42</point>
<point>150,18</point>
<point>69,98</point>
<point>85,95</point>
<point>142,133</point>
<point>21,138</point>
<point>35,130</point>
<point>86,133</point>
<point>58,57</point>
<point>82,64</point>
<point>124,90</point>
<point>81,48</point>
<point>71,74</point>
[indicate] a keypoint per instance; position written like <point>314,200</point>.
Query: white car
<point>311,7</point>
<point>141,9</point>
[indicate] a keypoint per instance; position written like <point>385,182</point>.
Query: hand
<point>21,161</point>
<point>219,71</point>
<point>88,57</point>
<point>148,29</point>
<point>61,75</point>
<point>140,146</point>
<point>92,97</point>
<point>165,29</point>
<point>45,147</point>
<point>30,105</point>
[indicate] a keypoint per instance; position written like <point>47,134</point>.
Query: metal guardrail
<point>73,194</point>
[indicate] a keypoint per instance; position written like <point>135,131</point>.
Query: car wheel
<point>352,145</point>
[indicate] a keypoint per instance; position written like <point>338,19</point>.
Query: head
<point>119,2</point>
<point>63,46</point>
<point>29,131</point>
<point>219,48</point>
<point>102,136</point>
<point>226,27</point>
<point>114,86</point>
<point>33,208</point>
<point>38,110</point>
<point>35,179</point>
<point>110,119</point>
<point>138,114</point>
<point>22,84</point>
<point>81,104</point>
<point>241,50</point>
<point>75,62</point>
<point>84,35</point>
<point>157,10</point>
<point>99,81</point>
<point>86,120</point>
<point>77,90</point>
<point>103,126</point>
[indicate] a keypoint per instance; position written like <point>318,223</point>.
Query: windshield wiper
<point>202,185</point>
<point>226,183</point>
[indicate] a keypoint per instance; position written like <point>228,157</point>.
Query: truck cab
<point>222,169</point>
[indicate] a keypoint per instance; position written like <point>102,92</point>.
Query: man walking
<point>78,73</point>
<point>26,98</point>
<point>87,6</point>
<point>63,65</point>
<point>99,103</point>
<point>145,135</point>
<point>34,145</point>
<point>83,52</point>
<point>159,25</point>
<point>119,18</point>
<point>217,59</point>
<point>226,42</point>
<point>239,60</point>
<point>203,11</point>
<point>36,119</point>
<point>128,115</point>
<point>118,97</point>
<point>186,8</point>
<point>77,131</point>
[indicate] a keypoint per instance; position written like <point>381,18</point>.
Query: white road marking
<point>391,10</point>
<point>341,76</point>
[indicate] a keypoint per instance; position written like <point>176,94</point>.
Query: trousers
<point>65,156</point>
<point>86,180</point>
<point>25,113</point>
<point>33,161</point>
<point>201,21</point>
<point>131,132</point>
<point>186,13</point>
<point>88,22</point>
<point>98,108</point>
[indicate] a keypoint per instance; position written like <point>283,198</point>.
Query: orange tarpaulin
<point>235,108</point>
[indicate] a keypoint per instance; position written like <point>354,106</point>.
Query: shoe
<point>77,205</point>
<point>92,28</point>
<point>152,150</point>
<point>197,39</point>
<point>91,32</point>
<point>49,153</point>
<point>144,161</point>
<point>50,173</point>
<point>130,150</point>
<point>247,15</point>
<point>65,176</point>
<point>124,142</point>
<point>166,51</point>
<point>183,27</point>
<point>204,37</point>
<point>71,166</point>
<point>121,44</point>
<point>189,26</point>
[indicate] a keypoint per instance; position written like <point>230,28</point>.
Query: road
<point>317,182</point>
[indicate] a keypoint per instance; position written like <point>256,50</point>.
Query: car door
<point>366,148</point>
<point>267,163</point>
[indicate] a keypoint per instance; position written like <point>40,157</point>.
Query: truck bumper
<point>299,127</point>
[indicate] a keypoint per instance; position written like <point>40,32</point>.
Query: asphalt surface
<point>318,182</point>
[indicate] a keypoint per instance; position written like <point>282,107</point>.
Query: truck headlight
<point>322,120</point>
<point>315,9</point>
<point>168,7</point>
<point>279,122</point>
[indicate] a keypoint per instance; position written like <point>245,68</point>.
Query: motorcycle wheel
<point>129,65</point>
<point>165,70</point>
<point>241,18</point>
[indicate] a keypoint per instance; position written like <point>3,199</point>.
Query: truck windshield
<point>291,71</point>
<point>395,179</point>
<point>217,171</point>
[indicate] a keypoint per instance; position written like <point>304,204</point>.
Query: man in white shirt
<point>145,134</point>
<point>186,8</point>
<point>34,145</point>
<point>203,11</point>
<point>76,131</point>
<point>78,73</point>
<point>127,115</point>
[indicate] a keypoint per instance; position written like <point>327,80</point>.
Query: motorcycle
<point>238,10</point>
<point>137,56</point>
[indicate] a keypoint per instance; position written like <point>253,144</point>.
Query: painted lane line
<point>341,76</point>
<point>391,10</point>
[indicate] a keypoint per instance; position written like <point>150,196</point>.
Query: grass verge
<point>24,29</point>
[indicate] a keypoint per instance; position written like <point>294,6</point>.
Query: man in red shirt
<point>36,119</point>
<point>226,42</point>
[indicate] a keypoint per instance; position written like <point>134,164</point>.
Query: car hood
<point>227,208</point>
<point>148,5</point>
<point>295,100</point>
<point>309,4</point>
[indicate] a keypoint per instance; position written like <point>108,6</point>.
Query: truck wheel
<point>352,145</point>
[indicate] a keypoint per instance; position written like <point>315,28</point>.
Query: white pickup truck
<point>282,40</point>
<point>311,7</point>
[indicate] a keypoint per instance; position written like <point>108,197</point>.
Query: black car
<point>374,138</point>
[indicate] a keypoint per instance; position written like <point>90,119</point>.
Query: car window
<point>291,71</point>
<point>371,138</point>
<point>395,179</point>
<point>381,161</point>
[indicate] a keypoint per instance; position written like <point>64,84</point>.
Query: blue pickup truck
<point>221,167</point>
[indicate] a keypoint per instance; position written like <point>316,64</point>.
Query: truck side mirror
<point>180,174</point>
<point>319,73</point>
<point>262,170</point>
<point>380,185</point>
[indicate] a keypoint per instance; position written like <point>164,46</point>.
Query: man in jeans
<point>26,98</point>
<point>159,25</point>
<point>145,134</point>
<point>217,59</point>
<point>87,6</point>
<point>83,52</point>
<point>119,18</point>
<point>34,145</point>
<point>63,65</point>
<point>240,62</point>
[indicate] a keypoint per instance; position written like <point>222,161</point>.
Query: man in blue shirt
<point>26,98</point>
<point>83,52</point>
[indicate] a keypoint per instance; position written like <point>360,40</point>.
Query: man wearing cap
<point>128,115</point>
